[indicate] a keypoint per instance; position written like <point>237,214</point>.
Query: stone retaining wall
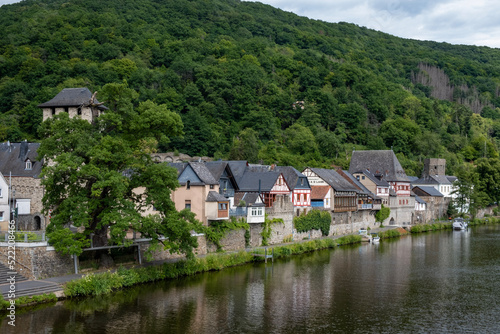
<point>38,261</point>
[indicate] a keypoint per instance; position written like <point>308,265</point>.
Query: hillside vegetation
<point>253,82</point>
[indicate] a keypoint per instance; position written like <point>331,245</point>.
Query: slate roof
<point>179,166</point>
<point>250,181</point>
<point>216,168</point>
<point>451,178</point>
<point>362,188</point>
<point>432,179</point>
<point>334,179</point>
<point>426,191</point>
<point>319,192</point>
<point>71,97</point>
<point>203,173</point>
<point>292,176</point>
<point>419,200</point>
<point>374,179</point>
<point>13,158</point>
<point>237,168</point>
<point>249,198</point>
<point>214,196</point>
<point>382,162</point>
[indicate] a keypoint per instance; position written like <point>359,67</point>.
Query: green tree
<point>100,179</point>
<point>382,214</point>
<point>245,146</point>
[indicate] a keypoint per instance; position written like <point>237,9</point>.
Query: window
<point>188,184</point>
<point>222,206</point>
<point>1,216</point>
<point>53,110</point>
<point>211,186</point>
<point>1,193</point>
<point>362,177</point>
<point>29,165</point>
<point>257,212</point>
<point>301,181</point>
<point>79,111</point>
<point>187,204</point>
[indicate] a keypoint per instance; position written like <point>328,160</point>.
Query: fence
<point>25,236</point>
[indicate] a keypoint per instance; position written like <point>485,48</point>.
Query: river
<point>440,282</point>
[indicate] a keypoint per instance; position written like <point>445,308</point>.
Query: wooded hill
<point>253,82</point>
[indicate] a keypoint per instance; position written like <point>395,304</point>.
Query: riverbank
<point>95,284</point>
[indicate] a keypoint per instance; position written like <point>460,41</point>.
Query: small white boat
<point>459,224</point>
<point>375,238</point>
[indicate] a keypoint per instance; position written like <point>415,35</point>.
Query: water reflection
<point>437,282</point>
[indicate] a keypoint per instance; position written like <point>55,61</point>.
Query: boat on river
<point>375,238</point>
<point>459,224</point>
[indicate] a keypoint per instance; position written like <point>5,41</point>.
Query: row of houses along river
<point>441,282</point>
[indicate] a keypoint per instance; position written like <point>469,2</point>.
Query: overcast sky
<point>473,22</point>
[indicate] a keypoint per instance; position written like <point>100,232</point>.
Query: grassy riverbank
<point>103,283</point>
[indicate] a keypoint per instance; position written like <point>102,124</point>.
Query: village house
<point>384,165</point>
<point>436,204</point>
<point>377,186</point>
<point>199,192</point>
<point>18,163</point>
<point>299,185</point>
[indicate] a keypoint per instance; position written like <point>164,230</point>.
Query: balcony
<point>365,206</point>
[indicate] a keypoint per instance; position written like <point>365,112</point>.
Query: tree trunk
<point>100,240</point>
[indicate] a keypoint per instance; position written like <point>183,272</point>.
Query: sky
<point>471,22</point>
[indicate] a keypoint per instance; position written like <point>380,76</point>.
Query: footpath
<point>25,287</point>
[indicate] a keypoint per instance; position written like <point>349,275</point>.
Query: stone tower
<point>76,102</point>
<point>434,167</point>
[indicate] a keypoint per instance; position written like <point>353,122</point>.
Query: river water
<point>441,282</point>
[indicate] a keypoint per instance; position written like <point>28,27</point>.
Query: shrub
<point>313,220</point>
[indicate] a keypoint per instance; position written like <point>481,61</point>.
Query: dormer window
<point>29,165</point>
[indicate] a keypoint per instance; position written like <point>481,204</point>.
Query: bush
<point>313,220</point>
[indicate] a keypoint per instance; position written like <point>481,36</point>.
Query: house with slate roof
<point>436,205</point>
<point>268,184</point>
<point>344,194</point>
<point>376,186</point>
<point>299,185</point>
<point>366,199</point>
<point>77,102</point>
<point>384,165</point>
<point>20,165</point>
<point>199,192</point>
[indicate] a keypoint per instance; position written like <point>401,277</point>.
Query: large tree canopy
<point>100,178</point>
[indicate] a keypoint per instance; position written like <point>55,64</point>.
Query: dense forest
<point>253,82</point>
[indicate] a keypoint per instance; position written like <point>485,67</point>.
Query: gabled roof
<point>203,173</point>
<point>216,168</point>
<point>292,177</point>
<point>238,168</point>
<point>250,181</point>
<point>251,199</point>
<point>433,179</point>
<point>319,192</point>
<point>334,179</point>
<point>427,191</point>
<point>179,166</point>
<point>451,178</point>
<point>214,196</point>
<point>362,188</point>
<point>72,97</point>
<point>13,158</point>
<point>383,163</point>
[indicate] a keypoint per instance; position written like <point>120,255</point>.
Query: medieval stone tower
<point>76,102</point>
<point>434,167</point>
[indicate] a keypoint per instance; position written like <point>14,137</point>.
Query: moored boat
<point>459,224</point>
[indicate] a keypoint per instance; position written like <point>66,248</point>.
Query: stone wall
<point>30,188</point>
<point>160,254</point>
<point>255,235</point>
<point>282,209</point>
<point>38,261</point>
<point>233,241</point>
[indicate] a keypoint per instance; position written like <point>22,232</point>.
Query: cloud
<point>453,21</point>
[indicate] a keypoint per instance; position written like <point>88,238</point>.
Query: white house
<point>4,204</point>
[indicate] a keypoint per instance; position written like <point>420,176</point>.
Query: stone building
<point>19,165</point>
<point>74,101</point>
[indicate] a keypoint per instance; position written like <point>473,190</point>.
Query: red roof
<point>319,192</point>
